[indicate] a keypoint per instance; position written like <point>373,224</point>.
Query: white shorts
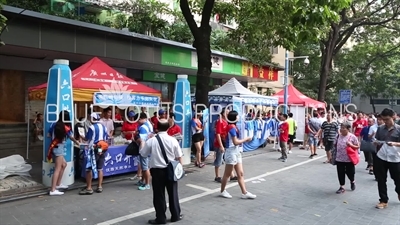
<point>232,156</point>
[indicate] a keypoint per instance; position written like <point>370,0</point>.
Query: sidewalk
<point>16,188</point>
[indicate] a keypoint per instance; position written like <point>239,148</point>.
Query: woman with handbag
<point>346,156</point>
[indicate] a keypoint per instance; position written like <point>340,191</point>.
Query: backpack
<point>228,128</point>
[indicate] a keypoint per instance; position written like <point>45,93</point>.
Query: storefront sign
<point>266,73</point>
<point>124,99</point>
<point>247,69</point>
<point>216,62</point>
<point>117,162</point>
<point>193,80</point>
<point>159,77</point>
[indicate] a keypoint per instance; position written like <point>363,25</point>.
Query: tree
<point>261,25</point>
<point>360,16</point>
<point>3,21</point>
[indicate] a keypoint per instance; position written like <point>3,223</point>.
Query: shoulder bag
<point>175,170</point>
<point>334,152</point>
<point>132,149</point>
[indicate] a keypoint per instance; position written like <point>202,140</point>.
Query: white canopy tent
<point>232,88</point>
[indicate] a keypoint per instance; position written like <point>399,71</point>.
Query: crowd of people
<point>158,145</point>
<point>377,135</point>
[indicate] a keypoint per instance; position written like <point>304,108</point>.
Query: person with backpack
<point>219,144</point>
<point>97,136</point>
<point>233,157</point>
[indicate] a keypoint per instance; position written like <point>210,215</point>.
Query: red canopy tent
<point>95,76</point>
<point>295,97</point>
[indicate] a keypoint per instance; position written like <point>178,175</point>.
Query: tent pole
<point>28,131</point>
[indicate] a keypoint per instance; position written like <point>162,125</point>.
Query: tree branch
<point>187,13</point>
<point>206,13</point>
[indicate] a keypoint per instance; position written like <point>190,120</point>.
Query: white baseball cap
<point>95,116</point>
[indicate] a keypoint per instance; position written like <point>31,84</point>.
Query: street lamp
<point>286,76</point>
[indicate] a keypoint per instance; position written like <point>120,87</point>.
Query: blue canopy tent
<point>232,93</point>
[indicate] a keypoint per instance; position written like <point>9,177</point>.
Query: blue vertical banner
<point>206,132</point>
<point>237,104</point>
<point>182,109</point>
<point>59,97</point>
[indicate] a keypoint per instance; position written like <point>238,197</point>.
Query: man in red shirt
<point>283,136</point>
<point>359,124</point>
<point>173,129</point>
<point>154,120</point>
<point>221,126</point>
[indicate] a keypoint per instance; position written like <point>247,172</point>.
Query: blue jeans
<point>218,157</point>
<point>313,140</point>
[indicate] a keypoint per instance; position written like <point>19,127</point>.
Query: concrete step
<point>12,138</point>
<point>19,130</point>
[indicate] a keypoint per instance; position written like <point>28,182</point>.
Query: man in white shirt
<point>158,172</point>
<point>107,121</point>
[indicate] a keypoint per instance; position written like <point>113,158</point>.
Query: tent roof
<point>97,75</point>
<point>295,97</point>
<point>233,88</point>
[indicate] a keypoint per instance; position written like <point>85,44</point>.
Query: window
<point>164,88</point>
<point>380,101</point>
<point>274,50</point>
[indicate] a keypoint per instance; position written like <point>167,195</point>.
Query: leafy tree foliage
<point>357,20</point>
<point>3,21</point>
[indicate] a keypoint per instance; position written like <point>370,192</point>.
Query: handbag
<point>175,170</point>
<point>353,155</point>
<point>132,149</point>
<point>367,146</point>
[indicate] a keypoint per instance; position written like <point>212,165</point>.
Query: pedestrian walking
<point>283,137</point>
<point>344,164</point>
<point>388,156</point>
<point>156,149</point>
<point>233,157</point>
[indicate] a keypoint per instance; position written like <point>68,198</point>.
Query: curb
<point>44,190</point>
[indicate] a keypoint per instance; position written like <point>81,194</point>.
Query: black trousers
<point>160,182</point>
<point>77,162</point>
<point>343,169</point>
<point>369,158</point>
<point>381,169</point>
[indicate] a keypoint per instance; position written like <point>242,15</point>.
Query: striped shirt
<point>97,132</point>
<point>330,130</point>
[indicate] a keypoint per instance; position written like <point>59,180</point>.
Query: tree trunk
<point>328,52</point>
<point>371,99</point>
<point>202,45</point>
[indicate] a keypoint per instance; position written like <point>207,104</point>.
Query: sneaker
<point>62,186</point>
<point>284,160</point>
<point>248,195</point>
<point>340,191</point>
<point>85,191</point>
<point>139,183</point>
<point>311,156</point>
<point>144,187</point>
<point>56,193</point>
<point>280,158</point>
<point>218,179</point>
<point>290,152</point>
<point>353,186</point>
<point>381,205</point>
<point>235,178</point>
<point>225,194</point>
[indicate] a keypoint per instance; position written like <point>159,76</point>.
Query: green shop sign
<point>185,58</point>
<point>193,79</point>
<point>159,77</point>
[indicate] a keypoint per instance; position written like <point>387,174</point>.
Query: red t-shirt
<point>129,127</point>
<point>154,121</point>
<point>306,131</point>
<point>118,117</point>
<point>220,128</point>
<point>358,125</point>
<point>175,129</point>
<point>284,132</point>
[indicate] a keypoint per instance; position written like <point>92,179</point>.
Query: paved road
<point>300,191</point>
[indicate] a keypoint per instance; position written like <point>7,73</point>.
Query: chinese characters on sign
<point>159,76</point>
<point>116,162</point>
<point>216,62</point>
<point>247,69</point>
<point>127,99</point>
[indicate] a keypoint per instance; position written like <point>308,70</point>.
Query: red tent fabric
<point>96,74</point>
<point>295,97</point>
